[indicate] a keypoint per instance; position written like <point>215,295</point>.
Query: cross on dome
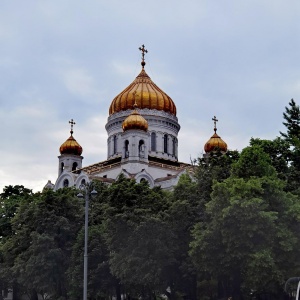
<point>72,124</point>
<point>144,50</point>
<point>215,123</point>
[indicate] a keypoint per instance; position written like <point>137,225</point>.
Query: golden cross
<point>72,124</point>
<point>215,123</point>
<point>143,55</point>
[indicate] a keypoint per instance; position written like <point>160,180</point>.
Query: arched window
<point>153,141</point>
<point>165,143</point>
<point>66,183</point>
<point>74,166</point>
<point>83,181</point>
<point>115,144</point>
<point>144,180</point>
<point>62,165</point>
<point>126,148</point>
<point>174,146</point>
<point>141,148</point>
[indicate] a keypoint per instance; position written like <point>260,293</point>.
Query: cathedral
<point>142,143</point>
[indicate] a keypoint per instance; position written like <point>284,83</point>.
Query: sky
<point>62,60</point>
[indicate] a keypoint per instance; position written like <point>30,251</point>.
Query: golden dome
<point>70,146</point>
<point>146,94</point>
<point>215,142</point>
<point>135,121</point>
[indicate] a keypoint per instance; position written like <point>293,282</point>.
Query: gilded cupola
<point>145,92</point>
<point>135,121</point>
<point>215,142</point>
<point>70,146</point>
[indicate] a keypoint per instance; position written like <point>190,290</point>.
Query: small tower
<point>215,142</point>
<point>70,158</point>
<point>135,138</point>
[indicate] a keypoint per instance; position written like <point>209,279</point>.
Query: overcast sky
<point>238,60</point>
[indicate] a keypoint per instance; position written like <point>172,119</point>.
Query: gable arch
<point>145,176</point>
<point>82,179</point>
<point>62,180</point>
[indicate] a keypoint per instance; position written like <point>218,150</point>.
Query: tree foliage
<point>37,255</point>
<point>292,137</point>
<point>292,123</point>
<point>250,235</point>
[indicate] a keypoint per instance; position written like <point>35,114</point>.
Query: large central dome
<point>145,93</point>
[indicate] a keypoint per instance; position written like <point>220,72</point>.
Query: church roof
<point>215,142</point>
<point>144,92</point>
<point>70,146</point>
<point>116,163</point>
<point>135,121</point>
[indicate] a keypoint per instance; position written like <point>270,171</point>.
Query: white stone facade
<point>150,155</point>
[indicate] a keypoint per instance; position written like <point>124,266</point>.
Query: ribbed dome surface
<point>70,146</point>
<point>215,142</point>
<point>135,121</point>
<point>145,93</point>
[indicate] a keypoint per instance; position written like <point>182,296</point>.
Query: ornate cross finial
<point>143,55</point>
<point>215,123</point>
<point>72,124</point>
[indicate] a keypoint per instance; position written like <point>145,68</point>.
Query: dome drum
<point>157,120</point>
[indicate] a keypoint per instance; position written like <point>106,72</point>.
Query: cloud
<point>123,69</point>
<point>61,60</point>
<point>79,82</point>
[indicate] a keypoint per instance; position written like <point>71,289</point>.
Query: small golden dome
<point>135,121</point>
<point>215,142</point>
<point>146,94</point>
<point>70,146</point>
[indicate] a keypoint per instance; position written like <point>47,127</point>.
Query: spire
<point>72,124</point>
<point>142,48</point>
<point>215,123</point>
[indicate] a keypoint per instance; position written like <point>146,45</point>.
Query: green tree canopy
<point>250,230</point>
<point>292,123</point>
<point>37,256</point>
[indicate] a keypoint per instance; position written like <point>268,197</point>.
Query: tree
<point>279,153</point>
<point>292,136</point>
<point>129,242</point>
<point>292,123</point>
<point>38,254</point>
<point>101,283</point>
<point>250,230</point>
<point>146,259</point>
<point>216,167</point>
<point>134,220</point>
<point>10,200</point>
